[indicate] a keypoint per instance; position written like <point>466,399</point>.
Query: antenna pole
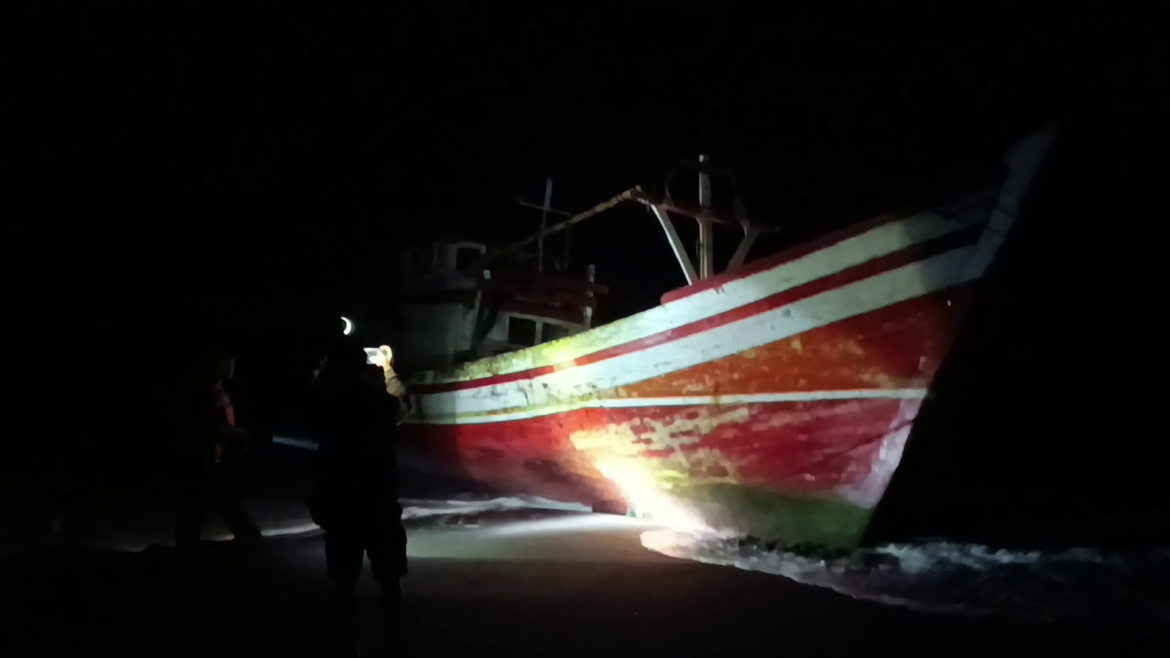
<point>543,224</point>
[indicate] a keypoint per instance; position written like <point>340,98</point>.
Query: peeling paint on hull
<point>775,404</point>
<point>827,451</point>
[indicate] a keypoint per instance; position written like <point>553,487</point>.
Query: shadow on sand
<point>157,602</point>
<point>222,601</point>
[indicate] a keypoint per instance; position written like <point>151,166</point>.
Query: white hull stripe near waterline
<point>681,401</point>
<point>565,387</point>
<point>875,243</point>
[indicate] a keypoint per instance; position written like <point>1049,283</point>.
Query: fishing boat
<point>772,399</point>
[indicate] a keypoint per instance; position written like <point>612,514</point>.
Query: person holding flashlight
<point>394,385</point>
<point>355,499</point>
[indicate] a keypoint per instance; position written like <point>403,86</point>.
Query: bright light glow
<point>670,542</point>
<point>380,356</point>
<point>561,355</point>
<point>647,496</point>
<point>569,524</point>
<point>646,483</point>
<point>348,326</point>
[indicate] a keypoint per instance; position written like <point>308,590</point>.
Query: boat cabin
<point>453,311</point>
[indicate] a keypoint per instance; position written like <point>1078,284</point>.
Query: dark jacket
<point>357,473</point>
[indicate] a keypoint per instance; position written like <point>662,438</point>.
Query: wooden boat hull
<point>771,401</point>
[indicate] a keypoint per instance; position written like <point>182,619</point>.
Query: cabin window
<point>464,257</point>
<point>521,331</point>
<point>553,332</point>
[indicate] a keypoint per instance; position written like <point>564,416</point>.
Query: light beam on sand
<point>566,524</point>
<point>303,444</point>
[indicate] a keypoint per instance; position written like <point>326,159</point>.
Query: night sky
<point>247,164</point>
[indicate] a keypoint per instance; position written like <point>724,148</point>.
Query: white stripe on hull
<point>875,243</point>
<point>565,386</point>
<point>685,401</point>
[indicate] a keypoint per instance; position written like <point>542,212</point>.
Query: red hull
<point>775,401</point>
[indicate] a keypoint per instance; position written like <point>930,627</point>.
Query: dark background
<point>178,175</point>
<point>245,162</point>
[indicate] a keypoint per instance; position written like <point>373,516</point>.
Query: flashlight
<point>380,356</point>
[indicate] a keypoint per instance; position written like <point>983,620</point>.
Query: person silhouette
<point>211,444</point>
<point>355,497</point>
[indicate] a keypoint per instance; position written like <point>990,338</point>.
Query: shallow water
<point>1125,590</point>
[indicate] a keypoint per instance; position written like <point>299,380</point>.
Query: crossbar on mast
<point>629,195</point>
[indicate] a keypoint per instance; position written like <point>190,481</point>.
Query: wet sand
<point>560,585</point>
